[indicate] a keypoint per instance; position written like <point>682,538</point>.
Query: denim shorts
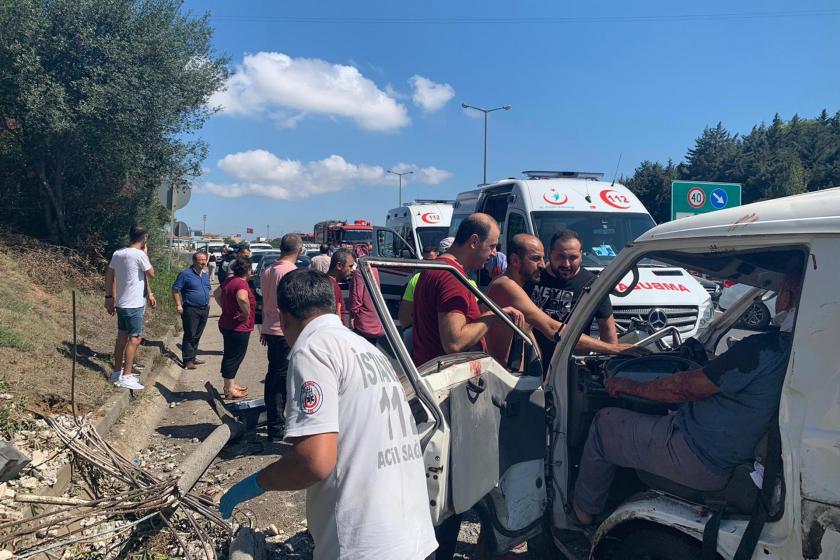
<point>130,320</point>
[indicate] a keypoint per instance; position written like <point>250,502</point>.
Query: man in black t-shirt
<point>561,285</point>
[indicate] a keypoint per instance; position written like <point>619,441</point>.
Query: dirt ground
<point>36,327</point>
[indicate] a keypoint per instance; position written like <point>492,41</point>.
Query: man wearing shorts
<point>126,281</point>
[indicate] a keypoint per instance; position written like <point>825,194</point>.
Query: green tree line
<point>99,101</point>
<point>780,159</point>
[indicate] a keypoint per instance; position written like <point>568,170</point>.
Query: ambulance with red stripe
<point>422,223</point>
<point>607,216</point>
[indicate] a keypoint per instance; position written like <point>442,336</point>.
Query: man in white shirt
<point>127,284</point>
<point>354,442</point>
<point>321,262</point>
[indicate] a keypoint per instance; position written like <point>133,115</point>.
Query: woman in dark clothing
<point>236,323</point>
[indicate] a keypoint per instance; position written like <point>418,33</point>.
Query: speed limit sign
<point>696,197</point>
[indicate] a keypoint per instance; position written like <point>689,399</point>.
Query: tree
<point>772,161</point>
<point>651,182</point>
<point>98,101</point>
<point>713,155</point>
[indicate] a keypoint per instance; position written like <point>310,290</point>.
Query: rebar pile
<point>129,502</point>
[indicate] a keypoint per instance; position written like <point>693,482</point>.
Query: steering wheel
<point>626,292</point>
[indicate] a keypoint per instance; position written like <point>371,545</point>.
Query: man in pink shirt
<point>272,336</point>
<point>363,318</point>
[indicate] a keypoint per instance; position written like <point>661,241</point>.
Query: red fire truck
<point>350,235</point>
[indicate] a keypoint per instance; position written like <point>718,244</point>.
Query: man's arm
<point>538,319</point>
<point>405,313</point>
<point>149,275</point>
<point>356,296</point>
<point>110,290</point>
<point>680,387</point>
<point>457,335</point>
<point>310,460</point>
<point>176,296</point>
<point>507,290</point>
<point>608,331</point>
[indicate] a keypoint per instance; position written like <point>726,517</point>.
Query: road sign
<point>182,195</point>
<point>698,197</point>
<point>181,229</point>
<point>719,198</point>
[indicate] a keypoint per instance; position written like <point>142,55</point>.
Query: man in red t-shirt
<point>447,318</point>
<point>342,265</point>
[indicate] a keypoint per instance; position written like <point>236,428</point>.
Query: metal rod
<point>73,366</point>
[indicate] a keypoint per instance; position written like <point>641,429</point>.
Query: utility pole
<point>400,175</point>
<point>485,111</point>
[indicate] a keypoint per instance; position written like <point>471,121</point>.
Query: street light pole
<point>485,111</point>
<point>400,175</point>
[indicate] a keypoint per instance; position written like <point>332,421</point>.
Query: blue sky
<point>320,108</point>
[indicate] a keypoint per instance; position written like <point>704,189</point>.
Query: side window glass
<point>516,225</point>
<point>385,241</point>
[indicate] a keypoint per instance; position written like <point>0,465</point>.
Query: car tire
<point>656,544</point>
<point>756,317</point>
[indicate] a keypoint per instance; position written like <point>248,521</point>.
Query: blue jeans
<point>130,320</point>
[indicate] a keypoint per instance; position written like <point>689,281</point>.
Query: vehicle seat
<point>739,494</point>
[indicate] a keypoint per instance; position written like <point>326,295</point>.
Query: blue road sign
<point>719,198</point>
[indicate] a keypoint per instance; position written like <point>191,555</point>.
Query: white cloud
<point>426,175</point>
<point>429,95</point>
<point>272,83</point>
<point>261,173</point>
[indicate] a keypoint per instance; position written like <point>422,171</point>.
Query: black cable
<point>532,20</point>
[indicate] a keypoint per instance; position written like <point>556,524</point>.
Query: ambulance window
<point>497,206</point>
<point>516,225</point>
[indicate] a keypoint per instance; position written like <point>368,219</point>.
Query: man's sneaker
<point>115,375</point>
<point>129,382</point>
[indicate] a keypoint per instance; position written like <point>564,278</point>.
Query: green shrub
<point>10,338</point>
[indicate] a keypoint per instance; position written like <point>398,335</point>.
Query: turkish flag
<point>249,230</point>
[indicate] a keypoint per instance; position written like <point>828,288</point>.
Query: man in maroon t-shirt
<point>342,265</point>
<point>447,318</point>
<point>446,315</point>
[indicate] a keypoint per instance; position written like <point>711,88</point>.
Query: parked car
<point>258,256</point>
<point>758,315</point>
<point>267,259</point>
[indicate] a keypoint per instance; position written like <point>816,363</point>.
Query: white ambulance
<point>608,217</point>
<point>422,223</point>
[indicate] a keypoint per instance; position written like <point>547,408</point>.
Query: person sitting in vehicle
<point>525,263</point>
<point>729,404</point>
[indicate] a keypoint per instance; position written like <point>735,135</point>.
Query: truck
<point>421,223</point>
<point>340,233</point>
<point>507,445</point>
<point>607,216</point>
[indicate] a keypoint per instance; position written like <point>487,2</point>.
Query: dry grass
<point>36,285</point>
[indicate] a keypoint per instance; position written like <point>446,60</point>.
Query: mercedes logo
<point>657,319</point>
